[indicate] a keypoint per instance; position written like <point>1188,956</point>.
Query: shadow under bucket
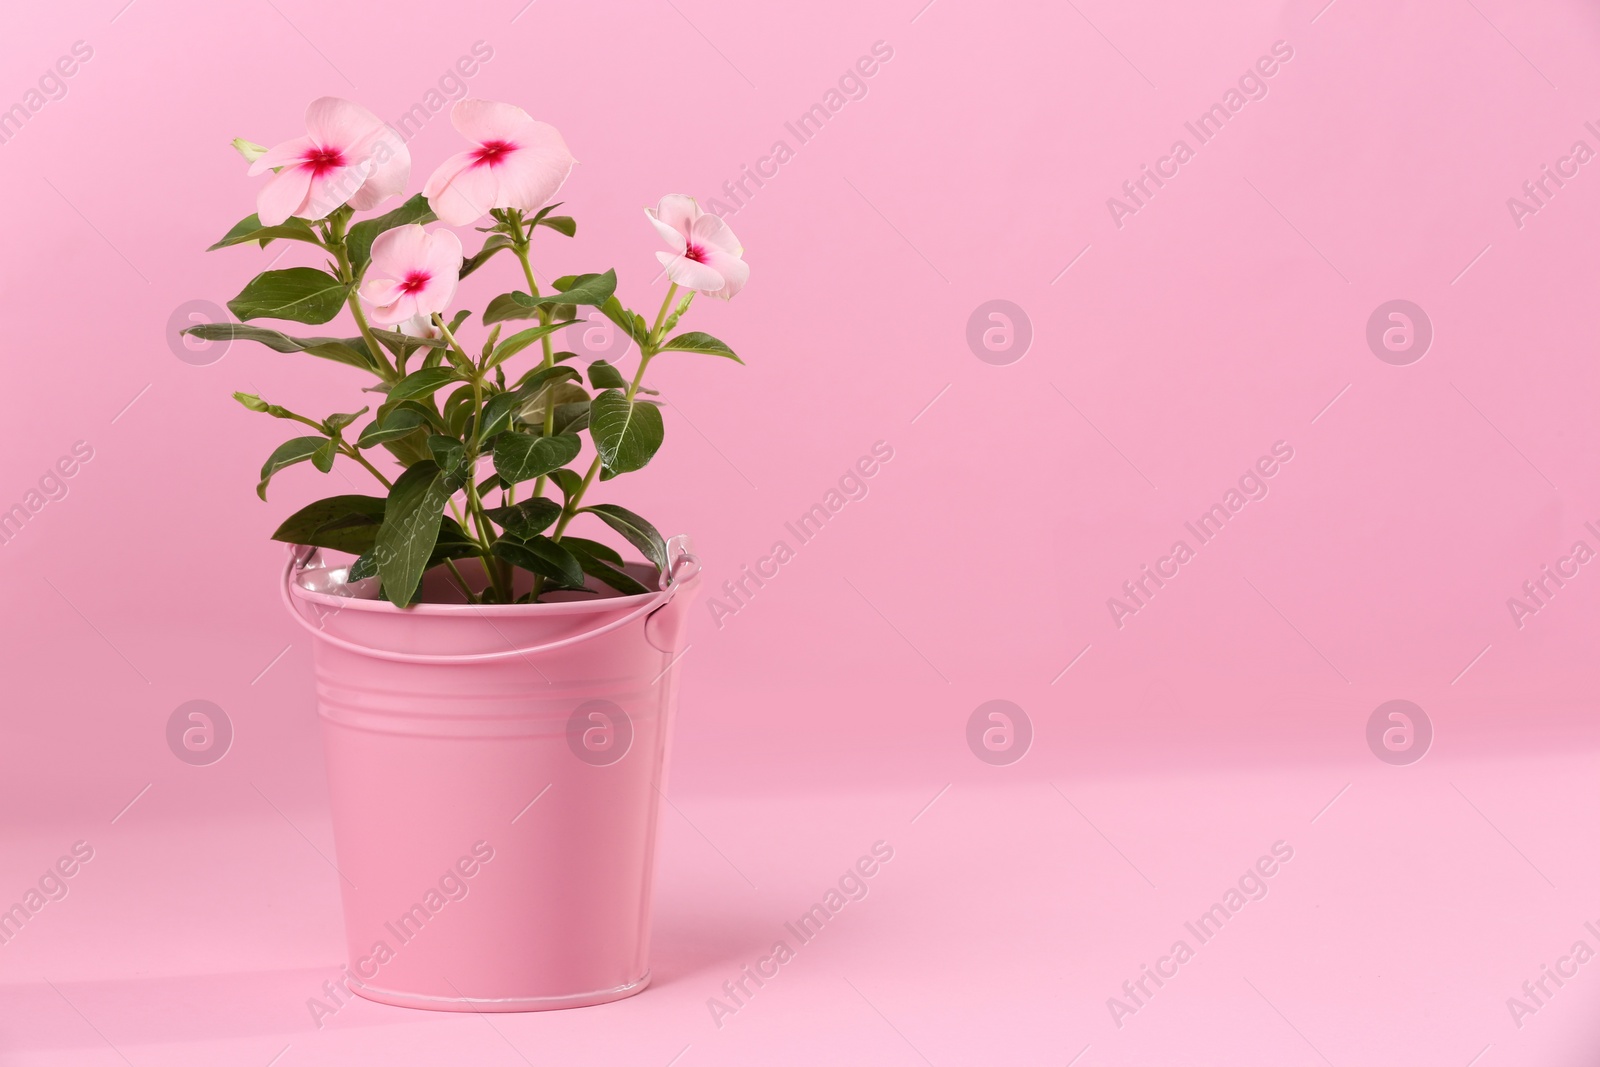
<point>495,774</point>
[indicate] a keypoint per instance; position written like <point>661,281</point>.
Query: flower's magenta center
<point>492,152</point>
<point>321,159</point>
<point>417,279</point>
<point>696,253</point>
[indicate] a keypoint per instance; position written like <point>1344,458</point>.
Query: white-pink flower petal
<point>690,274</point>
<point>347,156</point>
<point>516,162</point>
<point>677,211</point>
<point>705,256</point>
<point>412,273</point>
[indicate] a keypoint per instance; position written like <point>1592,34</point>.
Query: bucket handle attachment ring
<point>683,566</point>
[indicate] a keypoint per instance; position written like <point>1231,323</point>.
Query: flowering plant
<point>468,432</point>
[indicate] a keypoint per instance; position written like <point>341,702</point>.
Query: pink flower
<point>516,162</point>
<point>705,254</point>
<point>420,326</point>
<point>348,156</point>
<point>413,272</point>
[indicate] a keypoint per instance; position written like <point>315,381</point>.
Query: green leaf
<point>522,339</point>
<point>495,242</point>
<point>542,212</point>
<point>497,414</point>
<point>394,338</point>
<point>572,417</point>
<point>593,289</point>
<point>601,565</point>
<point>544,557</point>
<point>250,229</point>
<point>640,534</point>
<point>490,484</point>
<point>423,383</point>
<point>549,393</point>
<point>362,234</point>
<point>300,294</point>
<point>351,350</point>
<point>365,566</point>
<point>704,343</point>
<point>520,456</point>
<point>561,224</point>
<point>396,423</point>
<point>603,375</point>
<point>599,551</point>
<point>511,306</point>
<point>295,450</point>
<point>322,458</point>
<point>626,433</point>
<point>632,322</point>
<point>411,521</point>
<point>537,379</point>
<point>526,517</point>
<point>343,523</point>
<point>334,423</point>
<point>447,451</point>
<point>458,410</point>
<point>568,481</point>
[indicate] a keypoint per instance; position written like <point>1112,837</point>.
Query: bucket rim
<point>678,551</point>
<point>564,607</point>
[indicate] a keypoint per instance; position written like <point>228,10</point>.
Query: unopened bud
<point>249,149</point>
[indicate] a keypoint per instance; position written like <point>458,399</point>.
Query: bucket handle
<point>683,566</point>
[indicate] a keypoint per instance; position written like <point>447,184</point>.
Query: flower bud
<point>249,149</point>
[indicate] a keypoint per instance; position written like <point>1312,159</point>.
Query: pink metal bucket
<point>496,773</point>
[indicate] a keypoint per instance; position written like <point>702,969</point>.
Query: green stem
<point>338,245</point>
<point>661,316</point>
<point>466,590</point>
<point>485,533</point>
<point>570,511</point>
<point>520,244</point>
<point>450,339</point>
<point>647,352</point>
<point>355,454</point>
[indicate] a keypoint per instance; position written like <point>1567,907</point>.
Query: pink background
<point>1227,314</point>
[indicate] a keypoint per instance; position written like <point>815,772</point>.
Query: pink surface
<point>1173,342</point>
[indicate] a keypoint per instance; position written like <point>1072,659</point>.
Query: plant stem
<point>661,317</point>
<point>646,353</point>
<point>355,454</point>
<point>450,338</point>
<point>520,243</point>
<point>341,251</point>
<point>466,590</point>
<point>485,538</point>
